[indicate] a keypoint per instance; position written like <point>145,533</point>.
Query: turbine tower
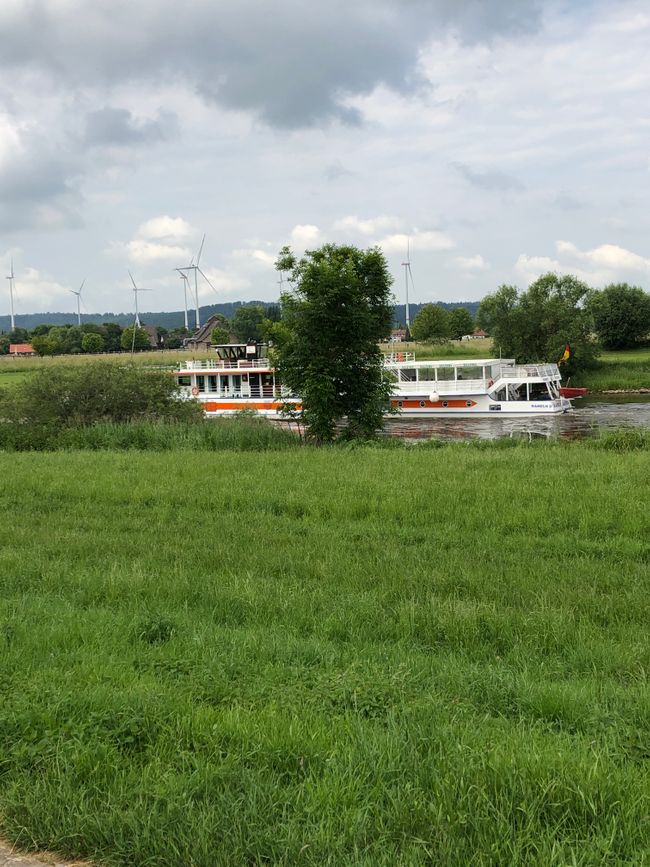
<point>136,289</point>
<point>10,278</point>
<point>197,270</point>
<point>408,274</point>
<point>78,294</point>
<point>183,276</point>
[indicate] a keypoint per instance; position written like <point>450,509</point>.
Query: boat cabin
<point>240,370</point>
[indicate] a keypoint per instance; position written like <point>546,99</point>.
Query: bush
<point>62,397</point>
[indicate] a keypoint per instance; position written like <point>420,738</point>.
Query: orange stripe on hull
<point>214,406</point>
<point>430,404</point>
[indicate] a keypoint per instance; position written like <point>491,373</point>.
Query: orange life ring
<point>400,356</point>
<point>195,390</point>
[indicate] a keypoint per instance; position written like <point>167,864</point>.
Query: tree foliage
<point>140,343</point>
<point>621,315</point>
<point>326,346</point>
<point>461,322</point>
<point>92,342</point>
<point>248,322</point>
<point>92,392</point>
<point>536,325</point>
<point>431,325</point>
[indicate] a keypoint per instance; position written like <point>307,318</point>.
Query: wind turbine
<point>136,289</point>
<point>197,270</point>
<point>78,294</point>
<point>10,278</point>
<point>183,276</point>
<point>408,274</point>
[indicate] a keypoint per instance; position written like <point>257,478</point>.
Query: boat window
<point>200,382</point>
<point>470,372</point>
<point>236,382</point>
<point>184,380</point>
<point>445,403</point>
<point>427,373</point>
<point>408,375</point>
<point>445,374</point>
<point>223,382</point>
<point>212,383</point>
<point>539,391</point>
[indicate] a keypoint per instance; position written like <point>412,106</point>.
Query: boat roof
<point>450,362</point>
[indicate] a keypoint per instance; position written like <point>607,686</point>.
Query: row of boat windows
<point>400,403</point>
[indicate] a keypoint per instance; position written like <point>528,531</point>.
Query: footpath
<point>10,858</point>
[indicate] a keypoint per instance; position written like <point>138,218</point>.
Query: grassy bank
<point>327,656</point>
<point>626,369</point>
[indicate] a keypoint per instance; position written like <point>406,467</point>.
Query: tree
<point>621,315</point>
<point>247,322</point>
<point>92,342</point>
<point>43,344</point>
<point>536,325</point>
<point>219,335</point>
<point>431,325</point>
<point>140,343</point>
<point>326,346</point>
<point>461,322</point>
<point>112,336</point>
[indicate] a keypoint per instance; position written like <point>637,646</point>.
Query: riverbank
<point>337,655</point>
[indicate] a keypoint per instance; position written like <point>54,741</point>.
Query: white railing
<point>221,364</point>
<point>398,357</point>
<point>527,371</point>
<point>443,386</point>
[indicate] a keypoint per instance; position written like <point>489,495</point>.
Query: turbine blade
<point>82,285</point>
<point>198,257</point>
<point>135,288</point>
<point>207,281</point>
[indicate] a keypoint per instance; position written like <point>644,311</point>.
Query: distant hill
<point>174,319</point>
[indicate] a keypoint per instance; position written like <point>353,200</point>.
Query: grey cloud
<point>490,179</point>
<point>336,170</point>
<point>290,63</point>
<point>117,127</point>
<point>567,202</point>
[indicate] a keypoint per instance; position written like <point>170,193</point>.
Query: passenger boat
<point>241,377</point>
<point>486,386</point>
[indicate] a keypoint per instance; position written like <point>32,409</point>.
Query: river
<point>589,416</point>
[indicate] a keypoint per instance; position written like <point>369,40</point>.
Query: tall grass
<point>627,369</point>
<point>327,656</point>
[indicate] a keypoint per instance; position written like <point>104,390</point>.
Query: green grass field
<point>336,656</point>
<point>625,369</point>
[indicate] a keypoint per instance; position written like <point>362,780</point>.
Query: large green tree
<point>139,343</point>
<point>431,325</point>
<point>248,322</point>
<point>621,315</point>
<point>326,346</point>
<point>461,322</point>
<point>536,325</point>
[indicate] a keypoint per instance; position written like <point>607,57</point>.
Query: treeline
<point>537,324</point>
<point>92,338</point>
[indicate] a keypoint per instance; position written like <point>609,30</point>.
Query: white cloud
<point>605,264</point>
<point>262,257</point>
<point>430,241</point>
<point>471,263</point>
<point>166,229</point>
<point>140,252</point>
<point>304,236</point>
<point>367,227</point>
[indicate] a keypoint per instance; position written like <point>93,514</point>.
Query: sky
<point>499,139</point>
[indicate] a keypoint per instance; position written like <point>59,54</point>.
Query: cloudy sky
<point>503,138</point>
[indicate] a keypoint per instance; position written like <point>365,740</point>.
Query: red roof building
<point>21,349</point>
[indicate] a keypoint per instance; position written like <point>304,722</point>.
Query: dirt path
<point>10,858</point>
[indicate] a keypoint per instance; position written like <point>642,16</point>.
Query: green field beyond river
<point>366,656</point>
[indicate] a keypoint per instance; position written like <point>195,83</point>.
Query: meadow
<point>361,655</point>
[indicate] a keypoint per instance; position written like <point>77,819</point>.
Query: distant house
<point>479,334</point>
<point>21,349</point>
<point>398,335</point>
<point>202,338</point>
<point>152,334</point>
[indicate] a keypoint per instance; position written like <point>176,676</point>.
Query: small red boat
<point>570,391</point>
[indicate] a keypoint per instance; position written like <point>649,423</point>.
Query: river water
<point>589,416</point>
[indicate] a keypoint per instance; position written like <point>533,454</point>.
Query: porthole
<point>422,403</point>
<point>400,403</point>
<point>445,403</point>
<point>468,403</point>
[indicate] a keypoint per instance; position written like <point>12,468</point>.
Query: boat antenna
<point>78,294</point>
<point>10,278</point>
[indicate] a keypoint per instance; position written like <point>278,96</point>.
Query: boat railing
<point>527,371</point>
<point>226,364</point>
<point>398,357</point>
<point>444,386</point>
